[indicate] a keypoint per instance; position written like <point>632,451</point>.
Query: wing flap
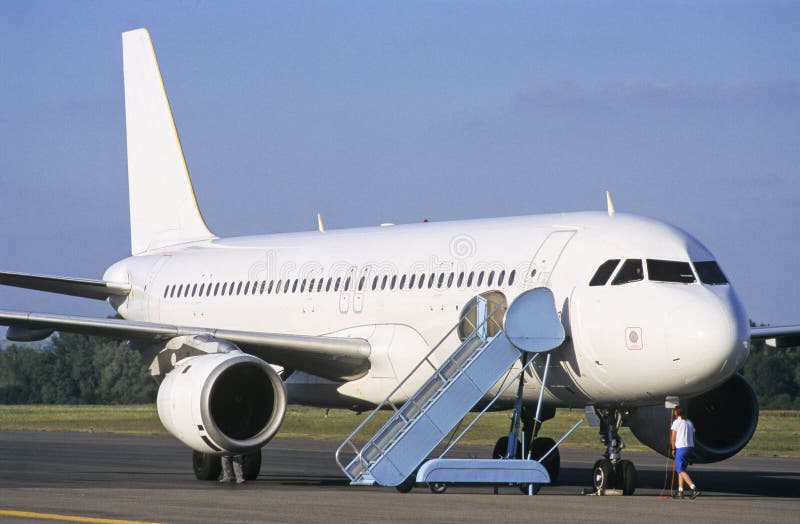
<point>77,287</point>
<point>335,358</point>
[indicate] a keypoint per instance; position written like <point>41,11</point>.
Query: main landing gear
<point>612,472</point>
<point>208,467</point>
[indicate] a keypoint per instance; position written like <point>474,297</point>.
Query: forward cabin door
<point>546,258</point>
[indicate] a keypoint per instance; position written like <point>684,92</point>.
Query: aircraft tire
<point>627,477</point>
<point>206,466</point>
<point>553,461</point>
<point>602,475</point>
<point>501,447</point>
<point>251,465</point>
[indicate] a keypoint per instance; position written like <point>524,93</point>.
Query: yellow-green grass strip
<point>778,432</point>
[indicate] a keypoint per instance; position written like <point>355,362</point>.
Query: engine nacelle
<point>223,402</point>
<point>724,418</point>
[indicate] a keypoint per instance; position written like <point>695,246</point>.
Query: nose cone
<point>708,337</point>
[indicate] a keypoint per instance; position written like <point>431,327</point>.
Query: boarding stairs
<point>488,351</point>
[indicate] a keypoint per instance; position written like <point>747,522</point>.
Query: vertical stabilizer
<point>164,210</point>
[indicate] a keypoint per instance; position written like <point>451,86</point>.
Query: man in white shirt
<point>682,442</point>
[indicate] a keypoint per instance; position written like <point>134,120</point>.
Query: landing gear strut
<point>524,442</point>
<point>611,472</point>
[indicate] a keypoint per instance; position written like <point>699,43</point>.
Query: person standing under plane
<point>232,469</point>
<point>681,444</point>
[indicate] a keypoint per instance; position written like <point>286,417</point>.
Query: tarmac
<point>88,477</point>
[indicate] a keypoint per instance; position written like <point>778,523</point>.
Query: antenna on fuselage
<point>610,204</point>
<point>320,225</point>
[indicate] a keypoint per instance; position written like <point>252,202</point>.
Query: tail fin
<point>163,207</point>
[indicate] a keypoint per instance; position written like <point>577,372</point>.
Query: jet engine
<point>724,418</point>
<point>219,403</point>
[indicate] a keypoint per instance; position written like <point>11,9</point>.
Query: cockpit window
<point>710,273</point>
<point>604,272</point>
<point>631,271</point>
<point>670,271</point>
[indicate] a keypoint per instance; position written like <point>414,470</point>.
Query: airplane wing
<point>777,336</point>
<point>77,287</point>
<point>335,358</point>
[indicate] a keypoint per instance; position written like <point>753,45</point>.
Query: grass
<point>778,432</point>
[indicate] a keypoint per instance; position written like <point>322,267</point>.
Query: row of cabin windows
<point>413,281</point>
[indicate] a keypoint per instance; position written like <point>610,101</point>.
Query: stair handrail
<point>477,331</point>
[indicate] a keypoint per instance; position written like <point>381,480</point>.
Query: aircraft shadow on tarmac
<point>721,483</point>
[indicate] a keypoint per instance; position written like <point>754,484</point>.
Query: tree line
<point>78,369</point>
<point>74,369</point>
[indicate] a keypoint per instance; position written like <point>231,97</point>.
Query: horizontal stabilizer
<point>335,358</point>
<point>76,287</point>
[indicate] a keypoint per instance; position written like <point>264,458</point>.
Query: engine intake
<point>224,402</point>
<point>725,419</point>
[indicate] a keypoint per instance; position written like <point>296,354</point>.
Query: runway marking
<point>67,518</point>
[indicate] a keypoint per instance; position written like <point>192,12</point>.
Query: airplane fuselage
<point>631,341</point>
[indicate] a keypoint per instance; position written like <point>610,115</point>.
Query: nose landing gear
<point>612,472</point>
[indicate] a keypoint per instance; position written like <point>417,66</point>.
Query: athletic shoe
<point>695,494</point>
<point>678,495</point>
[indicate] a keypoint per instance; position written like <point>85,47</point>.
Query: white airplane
<point>238,327</point>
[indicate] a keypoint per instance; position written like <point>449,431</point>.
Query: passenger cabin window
<point>460,279</point>
<point>710,273</point>
<point>360,283</point>
<point>670,271</point>
<point>511,277</point>
<point>604,272</point>
<point>411,281</point>
<point>501,277</point>
<point>402,282</point>
<point>469,279</point>
<point>631,271</point>
<point>394,282</point>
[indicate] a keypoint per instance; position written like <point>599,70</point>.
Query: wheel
<point>407,484</point>
<point>501,448</point>
<point>552,463</point>
<point>627,476</point>
<point>603,475</point>
<point>438,487</point>
<point>206,466</point>
<point>251,465</point>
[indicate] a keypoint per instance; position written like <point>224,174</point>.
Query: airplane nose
<point>708,338</point>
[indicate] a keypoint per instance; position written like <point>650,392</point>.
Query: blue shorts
<point>682,459</point>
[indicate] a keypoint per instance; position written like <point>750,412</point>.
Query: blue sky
<point>377,112</point>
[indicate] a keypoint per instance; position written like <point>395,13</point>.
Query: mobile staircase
<point>393,454</point>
